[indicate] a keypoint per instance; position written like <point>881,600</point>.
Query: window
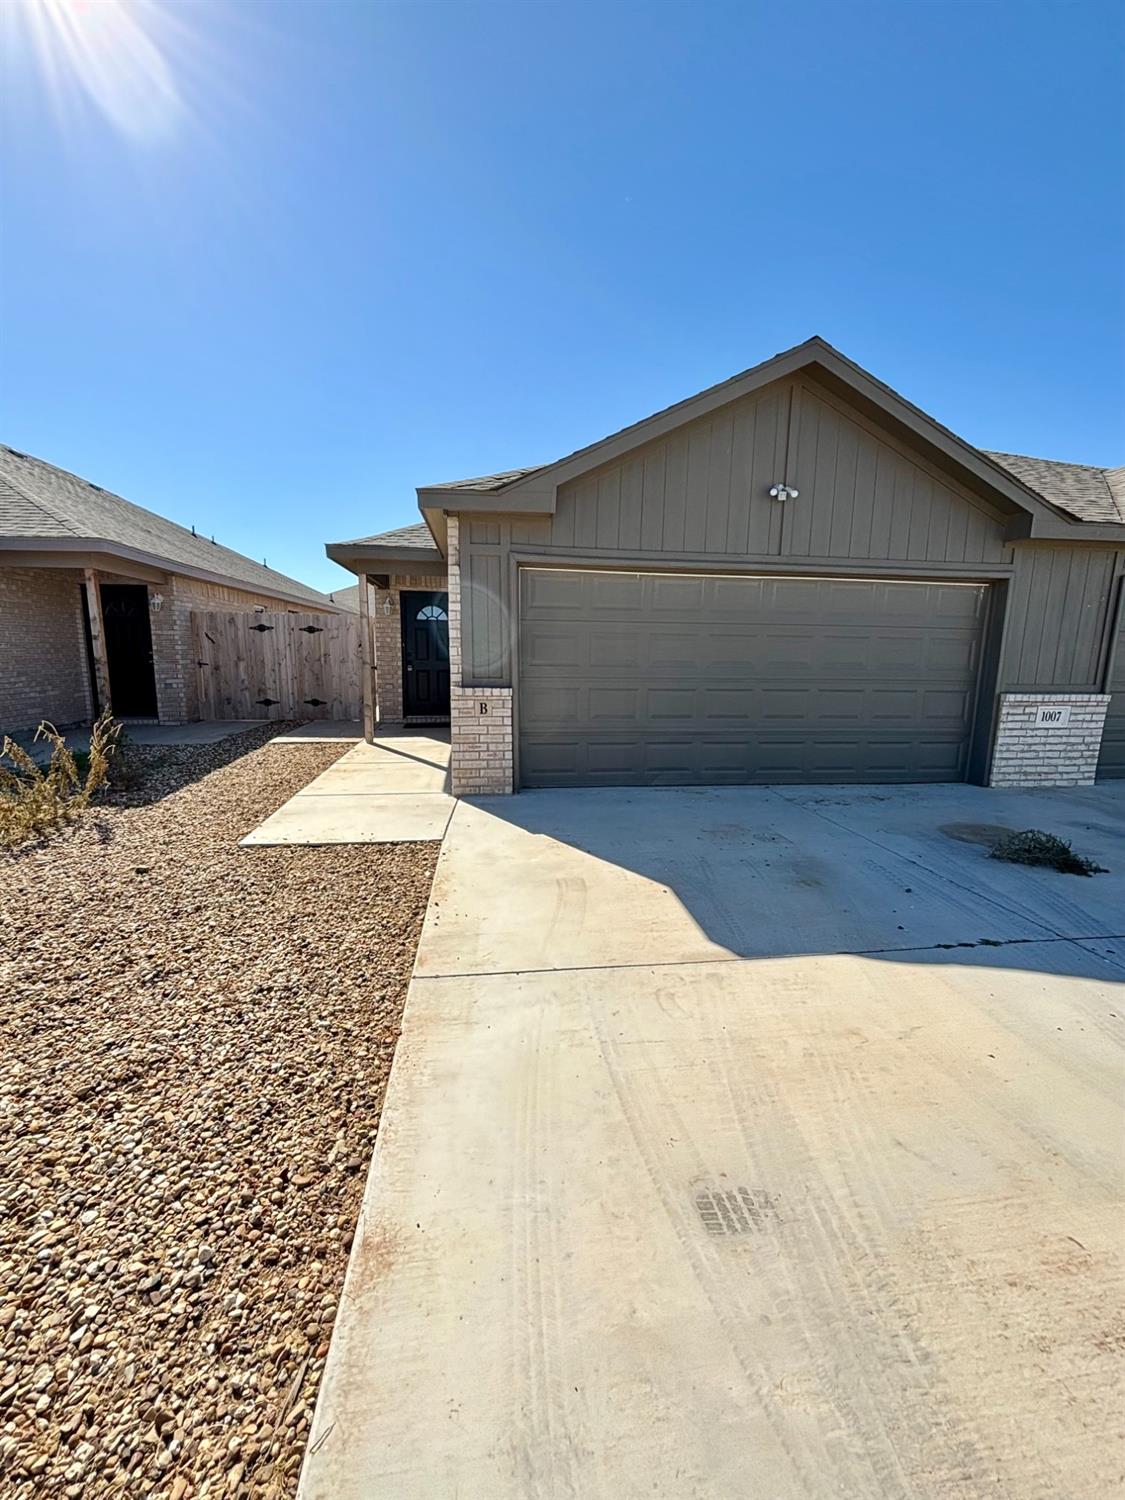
<point>431,612</point>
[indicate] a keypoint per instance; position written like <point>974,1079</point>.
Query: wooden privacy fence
<point>277,665</point>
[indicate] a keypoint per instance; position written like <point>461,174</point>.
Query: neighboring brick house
<point>795,576</point>
<point>96,597</point>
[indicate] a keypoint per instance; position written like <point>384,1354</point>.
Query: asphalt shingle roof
<point>486,482</point>
<point>417,535</point>
<point>1081,490</point>
<point>39,500</point>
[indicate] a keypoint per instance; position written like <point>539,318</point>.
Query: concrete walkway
<point>749,1144</point>
<point>394,791</point>
<point>322,729</point>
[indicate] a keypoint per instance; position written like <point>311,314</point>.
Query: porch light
<point>156,602</point>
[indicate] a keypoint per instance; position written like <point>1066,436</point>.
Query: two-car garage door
<point>660,679</point>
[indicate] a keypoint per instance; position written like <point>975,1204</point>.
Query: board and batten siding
<point>1059,602</point>
<point>700,496</point>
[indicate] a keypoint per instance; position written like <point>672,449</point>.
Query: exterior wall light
<point>783,492</point>
<point>156,603</point>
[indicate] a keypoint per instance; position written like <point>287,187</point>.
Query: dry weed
<point>36,799</point>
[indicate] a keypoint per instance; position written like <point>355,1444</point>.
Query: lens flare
<point>110,50</point>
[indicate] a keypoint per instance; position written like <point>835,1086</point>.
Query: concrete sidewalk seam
<point>751,958</point>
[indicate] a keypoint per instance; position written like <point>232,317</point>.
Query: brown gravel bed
<point>194,1044</point>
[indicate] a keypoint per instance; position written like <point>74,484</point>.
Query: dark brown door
<point>425,655</point>
<point>128,647</point>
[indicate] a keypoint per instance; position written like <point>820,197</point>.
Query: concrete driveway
<point>747,1143</point>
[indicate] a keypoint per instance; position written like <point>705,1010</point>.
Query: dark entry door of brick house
<point>425,654</point>
<point>128,648</point>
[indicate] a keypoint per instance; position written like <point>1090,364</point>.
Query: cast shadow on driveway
<point>627,876</point>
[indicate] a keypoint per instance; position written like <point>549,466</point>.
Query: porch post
<point>367,658</point>
<point>97,639</point>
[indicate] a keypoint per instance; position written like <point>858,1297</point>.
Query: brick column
<point>1048,739</point>
<point>386,619</point>
<point>481,759</point>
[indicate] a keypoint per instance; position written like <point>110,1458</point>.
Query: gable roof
<point>42,504</point>
<point>1048,503</point>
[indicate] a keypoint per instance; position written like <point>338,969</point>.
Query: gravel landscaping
<point>194,1043</point>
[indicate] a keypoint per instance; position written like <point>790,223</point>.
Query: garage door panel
<point>792,705</point>
<point>672,703</point>
<point>888,706</point>
<point>621,704</point>
<point>951,709</point>
<point>553,645</point>
<point>676,595</point>
<point>734,703</point>
<point>833,705</point>
<point>670,649</point>
<point>954,654</point>
<point>724,681</point>
<point>614,648</point>
<point>547,706</point>
<point>546,590</point>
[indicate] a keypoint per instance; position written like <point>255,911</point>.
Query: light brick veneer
<point>481,759</point>
<point>1031,755</point>
<point>481,733</point>
<point>43,672</point>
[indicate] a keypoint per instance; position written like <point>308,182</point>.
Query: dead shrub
<point>35,799</point>
<point>1034,847</point>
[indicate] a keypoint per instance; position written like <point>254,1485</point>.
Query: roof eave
<point>62,545</point>
<point>1058,528</point>
<point>358,558</point>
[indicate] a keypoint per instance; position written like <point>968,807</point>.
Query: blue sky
<point>267,267</point>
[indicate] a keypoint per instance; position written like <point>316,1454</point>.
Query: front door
<point>128,649</point>
<point>425,655</point>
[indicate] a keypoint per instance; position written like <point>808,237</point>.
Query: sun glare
<point>109,50</point>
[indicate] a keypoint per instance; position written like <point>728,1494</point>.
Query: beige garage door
<point>668,679</point>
